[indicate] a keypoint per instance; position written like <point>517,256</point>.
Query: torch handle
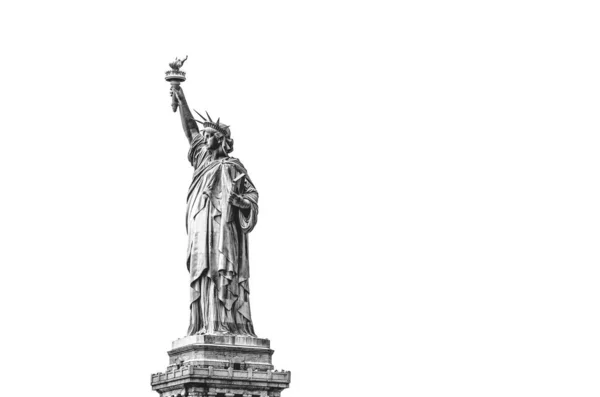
<point>174,103</point>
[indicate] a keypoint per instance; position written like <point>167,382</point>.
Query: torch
<point>175,77</point>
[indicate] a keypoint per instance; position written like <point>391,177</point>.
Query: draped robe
<point>217,256</point>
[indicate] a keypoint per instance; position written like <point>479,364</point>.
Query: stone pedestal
<point>220,366</point>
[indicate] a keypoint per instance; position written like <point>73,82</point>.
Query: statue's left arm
<point>247,203</point>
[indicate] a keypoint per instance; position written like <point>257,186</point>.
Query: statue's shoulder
<point>236,163</point>
<point>239,167</point>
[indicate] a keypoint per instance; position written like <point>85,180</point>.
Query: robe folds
<point>217,257</point>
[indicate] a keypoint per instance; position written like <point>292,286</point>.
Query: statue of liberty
<point>222,208</point>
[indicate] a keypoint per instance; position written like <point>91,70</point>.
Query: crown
<point>222,128</point>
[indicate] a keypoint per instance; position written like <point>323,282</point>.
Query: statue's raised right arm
<point>190,127</point>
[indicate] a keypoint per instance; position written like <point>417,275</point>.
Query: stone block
<point>222,351</point>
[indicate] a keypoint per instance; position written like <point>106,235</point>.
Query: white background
<point>429,179</point>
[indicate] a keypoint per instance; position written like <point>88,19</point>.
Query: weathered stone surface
<point>221,351</point>
<point>238,340</point>
<point>221,365</point>
<point>198,381</point>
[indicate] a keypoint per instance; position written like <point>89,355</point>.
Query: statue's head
<point>218,139</point>
<point>217,134</point>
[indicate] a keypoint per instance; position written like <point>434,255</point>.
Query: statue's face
<point>212,142</point>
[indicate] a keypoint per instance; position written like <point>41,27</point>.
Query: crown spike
<point>199,115</point>
<point>209,119</point>
<point>219,119</point>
